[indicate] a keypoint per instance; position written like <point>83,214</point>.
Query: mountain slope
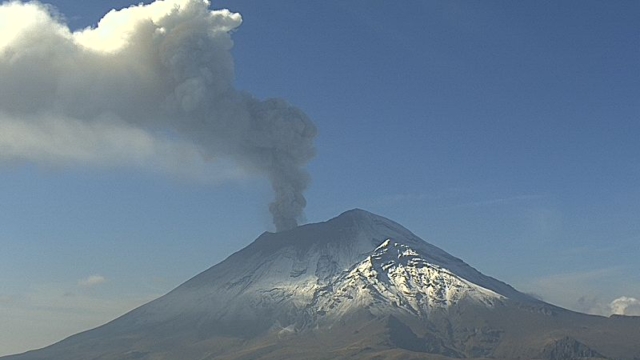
<point>396,275</point>
<point>356,286</point>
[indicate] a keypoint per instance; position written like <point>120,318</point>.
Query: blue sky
<point>505,133</point>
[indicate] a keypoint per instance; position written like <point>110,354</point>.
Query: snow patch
<point>398,278</point>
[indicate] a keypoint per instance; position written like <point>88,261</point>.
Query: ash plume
<point>150,86</point>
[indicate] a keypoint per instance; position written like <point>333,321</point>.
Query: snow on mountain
<point>396,276</point>
<point>317,272</point>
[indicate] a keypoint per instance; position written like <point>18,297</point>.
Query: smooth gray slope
<point>357,286</point>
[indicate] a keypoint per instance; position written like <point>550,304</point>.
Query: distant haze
<point>151,86</point>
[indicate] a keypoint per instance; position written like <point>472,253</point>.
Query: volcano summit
<point>358,286</point>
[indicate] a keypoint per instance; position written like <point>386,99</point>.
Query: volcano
<point>358,286</point>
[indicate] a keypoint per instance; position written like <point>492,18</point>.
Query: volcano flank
<point>358,286</point>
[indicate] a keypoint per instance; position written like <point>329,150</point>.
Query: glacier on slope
<point>321,271</point>
<point>396,276</point>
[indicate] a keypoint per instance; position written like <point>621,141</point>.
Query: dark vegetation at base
<point>569,348</point>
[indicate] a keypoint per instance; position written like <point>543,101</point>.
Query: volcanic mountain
<point>358,286</point>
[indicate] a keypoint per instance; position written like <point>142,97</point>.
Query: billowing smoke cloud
<point>625,306</point>
<point>150,86</point>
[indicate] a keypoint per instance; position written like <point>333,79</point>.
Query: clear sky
<point>504,132</point>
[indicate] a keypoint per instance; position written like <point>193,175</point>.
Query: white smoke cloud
<point>150,86</point>
<point>625,306</point>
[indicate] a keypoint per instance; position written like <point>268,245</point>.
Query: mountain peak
<point>339,280</point>
<point>317,253</point>
<point>363,217</point>
<point>355,227</point>
<point>358,215</point>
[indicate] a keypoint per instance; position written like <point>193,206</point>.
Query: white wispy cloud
<point>92,280</point>
<point>499,201</point>
<point>588,291</point>
<point>625,306</point>
<point>405,197</point>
